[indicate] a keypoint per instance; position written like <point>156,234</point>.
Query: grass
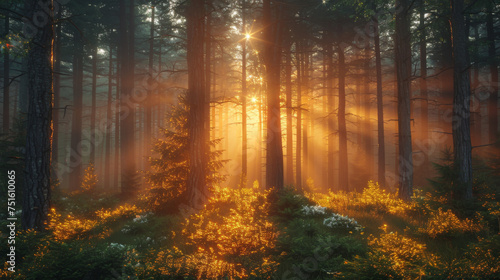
<point>247,233</point>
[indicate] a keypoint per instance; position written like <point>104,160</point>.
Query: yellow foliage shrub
<point>446,222</point>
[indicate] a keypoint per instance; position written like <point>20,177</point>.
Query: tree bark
<point>343,160</point>
<point>423,74</point>
<point>197,189</point>
<point>298,147</point>
<point>148,123</point>
<point>57,91</point>
<point>36,193</point>
<point>127,122</point>
<point>380,107</point>
<point>94,105</point>
<point>403,69</point>
<point>289,115</point>
<point>76,121</point>
<point>331,111</point>
<point>493,63</point>
<point>272,58</point>
<point>461,103</point>
<point>109,117</point>
<point>244,145</point>
<point>6,81</point>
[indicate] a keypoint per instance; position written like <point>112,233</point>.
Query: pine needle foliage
<point>168,176</point>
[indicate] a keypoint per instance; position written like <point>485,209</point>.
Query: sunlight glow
<point>248,36</point>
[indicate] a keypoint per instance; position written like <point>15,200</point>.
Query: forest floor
<point>251,233</point>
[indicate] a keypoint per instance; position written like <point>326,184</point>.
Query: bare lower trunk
<point>36,200</point>
<point>272,58</point>
<point>380,108</point>
<point>343,161</point>
<point>403,69</point>
<point>461,104</point>
<point>197,189</point>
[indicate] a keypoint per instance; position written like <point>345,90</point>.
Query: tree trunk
<point>403,69</point>
<point>244,145</point>
<point>109,117</point>
<point>272,58</point>
<point>127,127</point>
<point>461,103</point>
<point>289,115</point>
<point>76,121</point>
<point>367,130</point>
<point>197,189</point>
<point>94,105</point>
<point>380,107</point>
<point>423,75</point>
<point>116,172</point>
<point>331,125</point>
<point>298,147</point>
<point>343,160</point>
<point>6,81</point>
<point>57,92</point>
<point>148,123</point>
<point>36,193</point>
<point>493,63</point>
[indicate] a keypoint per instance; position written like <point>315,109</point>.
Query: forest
<point>249,139</point>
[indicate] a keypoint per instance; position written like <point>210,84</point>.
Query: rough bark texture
<point>461,103</point>
<point>272,58</point>
<point>127,121</point>
<point>36,193</point>
<point>197,189</point>
<point>403,70</point>
<point>343,160</point>
<point>380,107</point>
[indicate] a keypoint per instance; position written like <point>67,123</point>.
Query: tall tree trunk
<point>298,147</point>
<point>197,189</point>
<point>493,63</point>
<point>6,81</point>
<point>461,104</point>
<point>331,110</point>
<point>57,91</point>
<point>272,58</point>
<point>306,114</point>
<point>403,68</point>
<point>116,172</point>
<point>109,118</point>
<point>343,160</point>
<point>380,107</point>
<point>423,74</point>
<point>208,70</point>
<point>148,123</point>
<point>289,114</point>
<point>94,105</point>
<point>244,145</point>
<point>76,121</point>
<point>127,123</point>
<point>477,117</point>
<point>367,130</point>
<point>36,194</point>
